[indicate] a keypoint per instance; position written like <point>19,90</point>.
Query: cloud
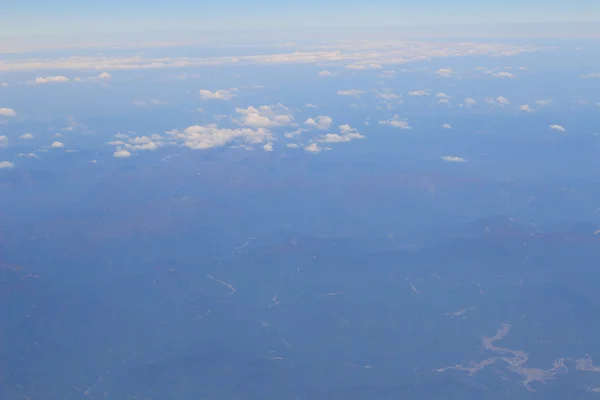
<point>142,143</point>
<point>151,102</point>
<point>74,126</point>
<point>372,53</point>
<point>57,145</point>
<point>120,135</point>
<point>222,94</point>
<point>26,136</point>
<point>445,72</point>
<point>501,74</point>
<point>543,103</point>
<point>442,95</point>
<point>321,122</point>
<point>591,75</point>
<point>7,112</point>
<point>104,75</point>
<point>295,133</point>
<point>268,147</point>
<point>32,155</point>
<point>558,128</point>
<point>209,136</point>
<point>469,102</point>
<point>6,164</point>
<point>4,84</point>
<point>396,122</point>
<point>489,100</point>
<point>454,159</point>
<point>347,133</point>
<point>525,108</point>
<point>325,73</point>
<point>313,148</point>
<point>264,116</point>
<point>292,146</point>
<point>350,92</point>
<point>388,96</point>
<point>50,79</point>
<point>447,126</point>
<point>419,93</point>
<point>121,153</point>
<point>503,101</point>
<point>3,140</point>
<point>310,105</point>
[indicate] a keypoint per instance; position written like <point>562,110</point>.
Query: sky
<point>75,17</point>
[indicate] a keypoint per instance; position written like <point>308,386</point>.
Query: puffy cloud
<point>447,126</point>
<point>350,92</point>
<point>419,93</point>
<point>321,122</point>
<point>469,102</point>
<point>142,143</point>
<point>558,128</point>
<point>264,116</point>
<point>442,95</point>
<point>525,108</point>
<point>268,147</point>
<point>503,101</point>
<point>7,112</point>
<point>292,146</point>
<point>313,148</point>
<point>347,133</point>
<point>26,136</point>
<point>500,74</point>
<point>6,164</point>
<point>32,155</point>
<point>325,73</point>
<point>445,72</point>
<point>310,105</point>
<point>396,122</point>
<point>454,159</point>
<point>209,136</point>
<point>223,94</point>
<point>295,133</point>
<point>121,153</point>
<point>57,145</point>
<point>104,75</point>
<point>544,102</point>
<point>50,79</point>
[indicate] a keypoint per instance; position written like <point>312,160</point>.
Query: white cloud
<point>503,101</point>
<point>295,133</point>
<point>321,122</point>
<point>292,146</point>
<point>223,94</point>
<point>151,102</point>
<point>120,135</point>
<point>26,136</point>
<point>264,116</point>
<point>7,112</point>
<point>558,128</point>
<point>208,136</point>
<point>57,145</point>
<point>325,73</point>
<point>313,148</point>
<point>501,74</point>
<point>32,155</point>
<point>419,93</point>
<point>142,143</point>
<point>543,103</point>
<point>445,72</point>
<point>310,105</point>
<point>268,147</point>
<point>454,159</point>
<point>525,108</point>
<point>591,75</point>
<point>389,96</point>
<point>347,133</point>
<point>121,153</point>
<point>104,75</point>
<point>447,126</point>
<point>442,95</point>
<point>396,122</point>
<point>6,164</point>
<point>3,140</point>
<point>50,79</point>
<point>350,92</point>
<point>469,102</point>
<point>116,143</point>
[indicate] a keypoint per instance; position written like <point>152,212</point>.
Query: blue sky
<point>37,16</point>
